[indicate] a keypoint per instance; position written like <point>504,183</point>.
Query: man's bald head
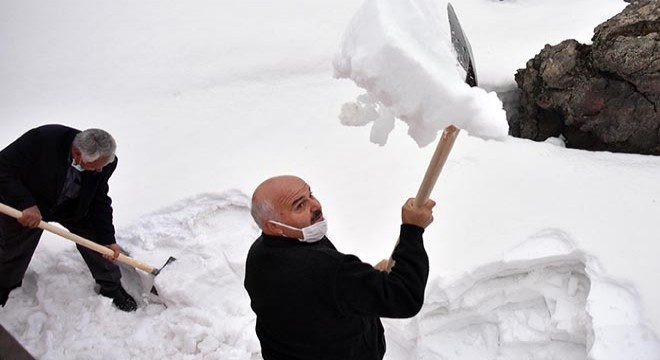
<point>270,193</point>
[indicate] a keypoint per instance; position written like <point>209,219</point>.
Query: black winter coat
<point>32,172</point>
<point>313,302</point>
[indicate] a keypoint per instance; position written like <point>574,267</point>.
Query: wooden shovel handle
<point>442,150</point>
<point>436,164</point>
<point>10,211</point>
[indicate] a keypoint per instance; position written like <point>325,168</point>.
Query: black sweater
<point>313,302</point>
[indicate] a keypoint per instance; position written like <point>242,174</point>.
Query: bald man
<point>314,302</point>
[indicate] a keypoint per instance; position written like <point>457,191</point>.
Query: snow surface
<point>537,251</point>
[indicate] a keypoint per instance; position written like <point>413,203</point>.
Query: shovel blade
<point>157,271</point>
<point>462,47</point>
<point>136,282</point>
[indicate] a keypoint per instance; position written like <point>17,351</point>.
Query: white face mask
<point>77,166</point>
<point>312,233</point>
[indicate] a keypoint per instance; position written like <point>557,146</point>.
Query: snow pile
<point>206,313</point>
<point>400,52</point>
<point>544,300</point>
<point>209,235</point>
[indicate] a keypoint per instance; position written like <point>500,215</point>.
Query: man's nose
<point>315,205</point>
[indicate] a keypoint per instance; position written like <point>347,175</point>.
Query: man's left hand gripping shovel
<point>446,142</point>
<point>7,210</point>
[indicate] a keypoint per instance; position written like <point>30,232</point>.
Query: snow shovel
<point>8,210</point>
<point>446,142</point>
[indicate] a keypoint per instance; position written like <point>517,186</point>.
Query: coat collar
<point>283,241</point>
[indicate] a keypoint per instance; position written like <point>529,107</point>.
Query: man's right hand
<point>31,217</point>
<point>420,216</point>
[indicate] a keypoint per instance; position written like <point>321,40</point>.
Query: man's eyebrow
<point>301,197</point>
<point>298,200</point>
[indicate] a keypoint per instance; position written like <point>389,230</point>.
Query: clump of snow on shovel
<point>400,52</point>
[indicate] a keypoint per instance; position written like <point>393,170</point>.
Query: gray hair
<point>262,211</point>
<point>95,144</point>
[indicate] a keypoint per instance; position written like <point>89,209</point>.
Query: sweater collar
<point>283,241</point>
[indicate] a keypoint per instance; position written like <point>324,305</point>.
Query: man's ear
<point>76,154</point>
<point>271,229</point>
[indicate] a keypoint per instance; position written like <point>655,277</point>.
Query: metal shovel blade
<point>135,283</point>
<point>157,271</point>
<point>462,46</point>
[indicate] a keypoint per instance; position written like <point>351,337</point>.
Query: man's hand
<point>382,265</point>
<point>116,249</point>
<point>420,216</point>
<point>31,217</point>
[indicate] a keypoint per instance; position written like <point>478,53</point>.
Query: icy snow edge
<point>545,299</point>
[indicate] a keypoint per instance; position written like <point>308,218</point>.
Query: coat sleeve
<point>14,161</point>
<point>364,291</point>
<point>101,208</point>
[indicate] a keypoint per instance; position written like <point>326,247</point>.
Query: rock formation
<point>604,96</point>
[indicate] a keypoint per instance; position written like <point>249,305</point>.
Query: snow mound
<point>209,235</point>
<point>400,52</point>
<point>544,300</point>
<point>208,309</point>
<point>206,313</point>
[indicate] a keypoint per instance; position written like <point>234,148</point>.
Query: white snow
<point>401,53</point>
<point>537,251</point>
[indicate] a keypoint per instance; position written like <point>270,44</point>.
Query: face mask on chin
<point>312,233</point>
<point>76,166</point>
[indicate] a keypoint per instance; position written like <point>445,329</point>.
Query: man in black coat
<point>313,302</point>
<point>56,173</point>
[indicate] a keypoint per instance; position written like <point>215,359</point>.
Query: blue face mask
<point>312,233</point>
<point>76,166</point>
